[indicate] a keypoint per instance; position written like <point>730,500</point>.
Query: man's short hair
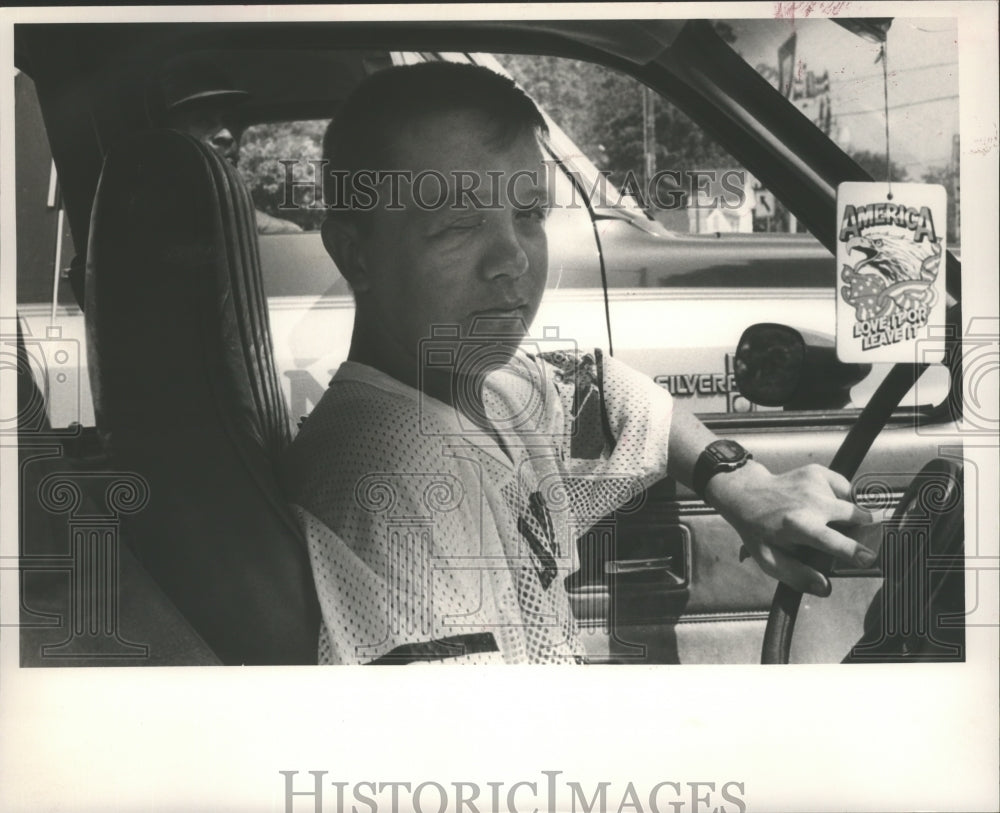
<point>362,134</point>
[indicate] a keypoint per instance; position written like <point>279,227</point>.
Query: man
<point>445,474</point>
<point>198,99</point>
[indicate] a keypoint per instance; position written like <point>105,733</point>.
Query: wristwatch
<point>719,456</point>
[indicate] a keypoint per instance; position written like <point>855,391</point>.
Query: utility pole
<point>954,178</point>
<point>648,137</point>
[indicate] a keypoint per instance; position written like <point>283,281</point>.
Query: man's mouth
<point>503,320</point>
<point>510,310</point>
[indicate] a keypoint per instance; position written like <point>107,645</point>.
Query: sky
<point>922,86</point>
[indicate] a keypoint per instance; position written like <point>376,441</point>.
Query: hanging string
<point>883,56</point>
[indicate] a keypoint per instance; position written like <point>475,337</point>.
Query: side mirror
<point>776,365</point>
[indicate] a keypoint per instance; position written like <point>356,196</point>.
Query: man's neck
<point>460,391</point>
<point>441,382</point>
<point>371,351</point>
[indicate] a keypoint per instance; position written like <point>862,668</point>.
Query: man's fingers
<point>840,485</point>
<point>828,540</point>
<point>813,533</point>
<point>792,572</point>
<point>846,511</point>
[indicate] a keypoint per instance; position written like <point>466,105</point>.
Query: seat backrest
<point>186,394</point>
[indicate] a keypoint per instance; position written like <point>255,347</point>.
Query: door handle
<point>628,567</point>
<point>669,570</point>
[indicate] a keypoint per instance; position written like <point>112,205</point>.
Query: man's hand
<point>774,514</point>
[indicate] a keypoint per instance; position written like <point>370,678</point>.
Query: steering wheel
<point>946,535</point>
<point>918,613</point>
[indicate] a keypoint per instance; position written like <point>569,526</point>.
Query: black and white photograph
<point>656,342</point>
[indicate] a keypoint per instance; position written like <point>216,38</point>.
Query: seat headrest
<point>177,316</point>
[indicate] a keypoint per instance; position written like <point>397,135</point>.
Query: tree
<point>262,147</point>
<point>874,164</point>
<point>948,178</point>
<point>601,110</point>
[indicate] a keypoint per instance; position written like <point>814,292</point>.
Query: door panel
<point>716,611</point>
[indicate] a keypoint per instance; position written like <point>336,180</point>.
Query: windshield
<point>835,78</point>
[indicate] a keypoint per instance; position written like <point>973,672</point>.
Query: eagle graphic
<point>891,274</point>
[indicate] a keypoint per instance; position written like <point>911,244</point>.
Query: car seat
<point>84,599</point>
<point>186,395</point>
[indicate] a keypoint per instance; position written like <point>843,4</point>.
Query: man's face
<point>482,269</point>
<point>206,123</point>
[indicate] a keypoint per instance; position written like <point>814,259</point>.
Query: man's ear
<point>342,241</point>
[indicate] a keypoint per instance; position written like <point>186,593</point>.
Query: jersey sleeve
<point>616,432</point>
<point>639,413</point>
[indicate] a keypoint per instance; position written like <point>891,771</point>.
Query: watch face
<point>727,451</point>
<point>719,456</point>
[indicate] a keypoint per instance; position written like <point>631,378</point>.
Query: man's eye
<point>466,223</point>
<point>534,213</point>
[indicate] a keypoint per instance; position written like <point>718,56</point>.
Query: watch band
<point>718,457</point>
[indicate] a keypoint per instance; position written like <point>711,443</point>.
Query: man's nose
<point>506,255</point>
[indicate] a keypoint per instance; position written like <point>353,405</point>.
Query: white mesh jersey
<point>432,540</point>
